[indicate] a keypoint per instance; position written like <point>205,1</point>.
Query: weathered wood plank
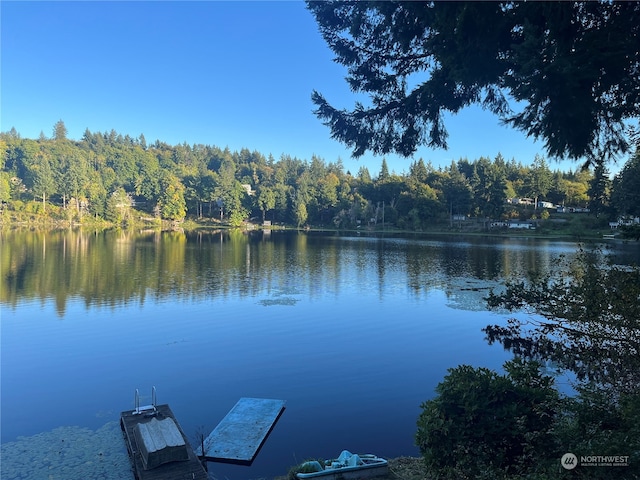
<point>190,469</point>
<point>239,436</point>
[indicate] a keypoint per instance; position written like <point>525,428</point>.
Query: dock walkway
<point>243,431</point>
<point>191,469</point>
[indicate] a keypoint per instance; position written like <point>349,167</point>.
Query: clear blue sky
<point>236,74</point>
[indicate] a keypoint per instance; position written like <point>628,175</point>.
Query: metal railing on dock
<point>145,408</point>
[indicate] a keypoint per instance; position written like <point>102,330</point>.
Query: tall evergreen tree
<point>599,189</point>
<point>626,188</point>
<point>573,65</point>
<point>539,180</point>
<point>383,176</point>
<point>59,131</point>
<point>43,183</point>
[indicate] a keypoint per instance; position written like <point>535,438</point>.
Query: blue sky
<point>237,74</point>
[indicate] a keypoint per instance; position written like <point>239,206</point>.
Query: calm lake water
<point>353,332</point>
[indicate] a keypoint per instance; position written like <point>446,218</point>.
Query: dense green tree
<point>71,173</point>
<point>193,193</point>
<point>419,207</point>
<point>383,176</point>
<point>422,198</point>
<point>577,192</point>
<point>147,175</point>
<point>300,211</point>
<point>571,64</point>
<point>418,171</point>
<point>485,425</point>
<point>539,180</point>
<point>363,175</point>
<point>59,131</point>
<point>489,188</point>
<point>599,189</point>
<point>171,202</point>
<point>5,187</point>
<point>328,193</point>
<point>284,197</point>
<point>457,192</point>
<point>517,426</point>
<point>96,194</point>
<point>558,190</point>
<point>119,206</point>
<point>20,155</point>
<point>592,422</point>
<point>358,212</point>
<point>626,188</point>
<point>266,200</point>
<point>42,182</point>
<point>228,190</point>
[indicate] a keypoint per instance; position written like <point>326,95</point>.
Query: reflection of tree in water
<point>584,316</point>
<point>112,268</point>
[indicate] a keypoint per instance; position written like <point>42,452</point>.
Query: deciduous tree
<point>171,202</point>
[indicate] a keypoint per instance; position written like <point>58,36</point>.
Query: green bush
<point>237,218</point>
<point>485,425</point>
<point>594,423</point>
<point>308,466</point>
<point>34,207</point>
<point>517,426</point>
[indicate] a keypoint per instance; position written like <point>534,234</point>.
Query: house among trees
<point>513,224</point>
<point>624,222</point>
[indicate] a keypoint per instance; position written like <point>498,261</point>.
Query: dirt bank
<point>407,468</point>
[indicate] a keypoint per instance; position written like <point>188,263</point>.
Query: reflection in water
<point>115,268</point>
<point>353,332</point>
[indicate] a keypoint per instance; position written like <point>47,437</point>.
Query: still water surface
<point>353,332</point>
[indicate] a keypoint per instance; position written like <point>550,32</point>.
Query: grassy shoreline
<point>580,227</point>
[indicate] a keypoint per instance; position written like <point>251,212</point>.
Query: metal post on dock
<point>154,402</point>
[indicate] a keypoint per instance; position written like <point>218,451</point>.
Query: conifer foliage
<point>574,65</point>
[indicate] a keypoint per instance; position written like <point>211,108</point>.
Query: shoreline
<point>192,226</point>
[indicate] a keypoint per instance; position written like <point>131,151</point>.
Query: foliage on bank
<point>110,176</point>
<point>517,425</point>
<point>583,320</point>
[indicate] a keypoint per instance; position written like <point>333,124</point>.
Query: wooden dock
<point>241,434</point>
<point>191,469</point>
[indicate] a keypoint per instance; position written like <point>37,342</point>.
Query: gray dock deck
<point>191,469</point>
<point>239,436</point>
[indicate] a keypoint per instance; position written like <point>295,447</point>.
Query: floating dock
<point>239,436</point>
<point>142,423</point>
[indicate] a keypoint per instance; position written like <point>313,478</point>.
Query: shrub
<point>597,424</point>
<point>485,425</point>
<point>309,466</point>
<point>34,207</point>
